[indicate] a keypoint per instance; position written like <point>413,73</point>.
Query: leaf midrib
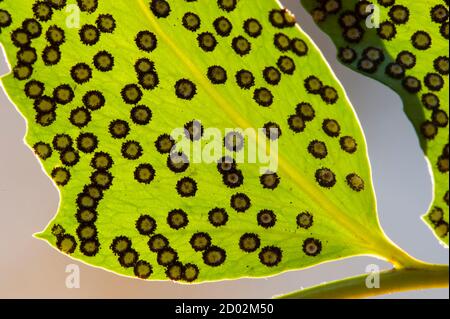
<point>312,190</point>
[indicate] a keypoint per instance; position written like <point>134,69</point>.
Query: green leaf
<point>409,53</point>
<point>118,196</point>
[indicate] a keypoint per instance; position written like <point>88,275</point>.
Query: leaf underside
<point>120,207</point>
<point>409,53</point>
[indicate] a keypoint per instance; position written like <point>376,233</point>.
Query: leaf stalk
<point>426,276</point>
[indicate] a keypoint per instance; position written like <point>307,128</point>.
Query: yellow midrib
<point>311,189</point>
